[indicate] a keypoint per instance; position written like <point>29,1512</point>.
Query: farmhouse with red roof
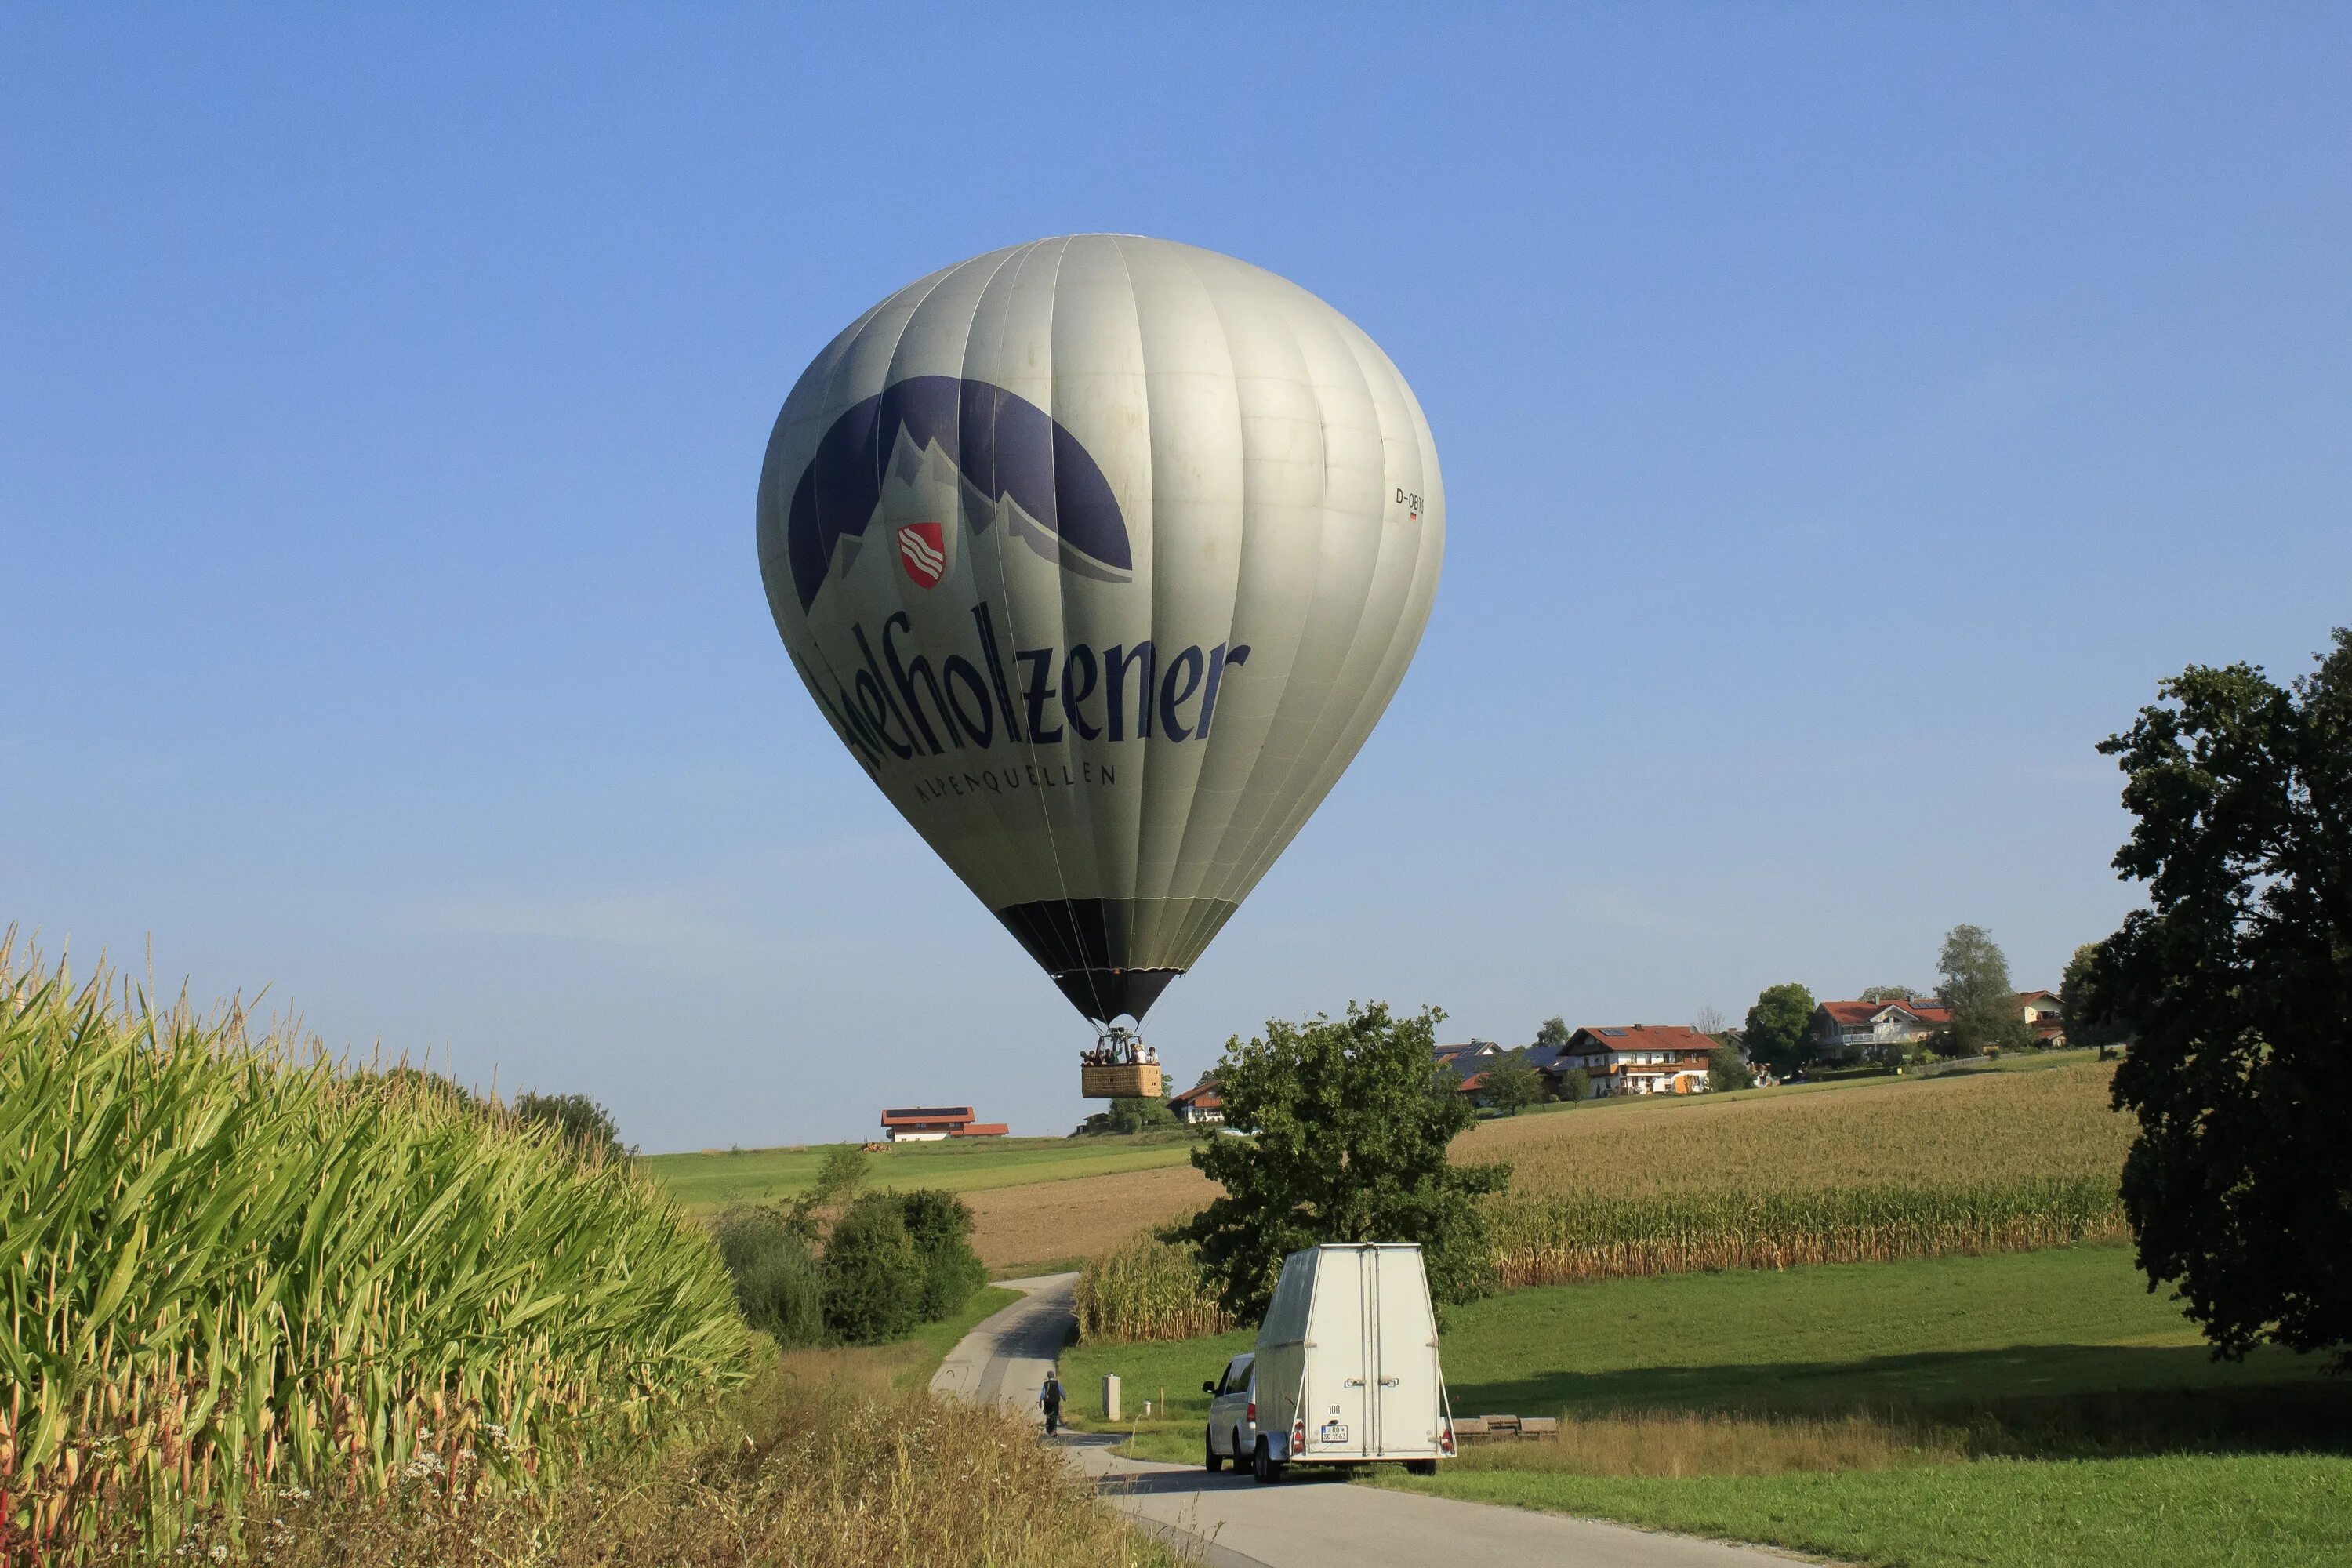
<point>1639,1058</point>
<point>1199,1105</point>
<point>929,1123</point>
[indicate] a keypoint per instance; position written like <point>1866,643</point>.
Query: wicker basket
<point>1120,1080</point>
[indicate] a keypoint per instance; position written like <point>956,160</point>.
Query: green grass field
<point>2181,1511</point>
<point>2037,1407</point>
<point>1926,1337</point>
<point>714,1178</point>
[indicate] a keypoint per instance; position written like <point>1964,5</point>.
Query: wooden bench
<point>1505,1428</point>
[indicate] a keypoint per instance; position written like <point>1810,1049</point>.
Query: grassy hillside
<point>1039,1200</point>
<point>714,1178</point>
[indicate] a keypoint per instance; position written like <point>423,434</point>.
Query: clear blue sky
<point>1848,415</point>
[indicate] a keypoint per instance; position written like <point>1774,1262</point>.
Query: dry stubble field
<point>1084,1215</point>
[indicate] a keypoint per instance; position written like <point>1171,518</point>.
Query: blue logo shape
<point>1004,447</point>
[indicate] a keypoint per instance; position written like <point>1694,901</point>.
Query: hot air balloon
<point>1102,556</point>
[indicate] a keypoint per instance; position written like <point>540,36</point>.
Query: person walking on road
<point>1049,1399</point>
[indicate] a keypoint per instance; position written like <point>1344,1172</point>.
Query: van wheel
<point>1211,1461</point>
<point>1420,1466</point>
<point>1264,1468</point>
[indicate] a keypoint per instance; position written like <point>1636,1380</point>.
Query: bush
<point>1575,1085</point>
<point>1727,1071</point>
<point>873,1280</point>
<point>940,1226</point>
<point>1128,1113</point>
<point>779,1283</point>
<point>582,1126</point>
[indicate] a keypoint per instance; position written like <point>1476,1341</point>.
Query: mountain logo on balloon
<point>923,552</point>
<point>1008,459</point>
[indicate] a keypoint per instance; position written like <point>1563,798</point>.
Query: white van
<point>1344,1373</point>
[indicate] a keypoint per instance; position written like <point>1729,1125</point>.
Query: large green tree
<point>1779,1030</point>
<point>1345,1126</point>
<point>2086,1015</point>
<point>1512,1084</point>
<point>1553,1033</point>
<point>2235,987</point>
<point>1976,987</point>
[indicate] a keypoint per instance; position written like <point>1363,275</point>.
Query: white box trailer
<point>1347,1370</point>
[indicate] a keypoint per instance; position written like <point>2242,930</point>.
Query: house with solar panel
<point>931,1123</point>
<point>1468,1062</point>
<point>1638,1058</point>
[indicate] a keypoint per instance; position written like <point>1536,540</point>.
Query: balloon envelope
<point>1102,556</point>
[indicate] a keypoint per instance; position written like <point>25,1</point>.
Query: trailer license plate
<point>1332,1432</point>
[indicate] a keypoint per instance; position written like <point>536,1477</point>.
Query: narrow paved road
<point>1309,1521</point>
<point>1005,1359</point>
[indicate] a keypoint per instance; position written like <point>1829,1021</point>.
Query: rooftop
<point>1640,1037</point>
<point>906,1114</point>
<point>1853,1014</point>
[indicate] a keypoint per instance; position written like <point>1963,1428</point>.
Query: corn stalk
<point>228,1268</point>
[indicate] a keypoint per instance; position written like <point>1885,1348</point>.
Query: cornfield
<point>1148,1289</point>
<point>1567,1240</point>
<point>231,1272</point>
<point>2055,1123</point>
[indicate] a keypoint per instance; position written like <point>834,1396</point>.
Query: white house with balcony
<point>1845,1030</point>
<point>1638,1058</point>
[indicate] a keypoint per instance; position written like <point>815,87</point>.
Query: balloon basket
<point>1121,1080</point>
<point>1120,1067</point>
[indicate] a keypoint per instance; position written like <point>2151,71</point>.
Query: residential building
<point>1200,1106</point>
<point>1843,1030</point>
<point>929,1123</point>
<point>1469,1060</point>
<point>2046,1013</point>
<point>1637,1059</point>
